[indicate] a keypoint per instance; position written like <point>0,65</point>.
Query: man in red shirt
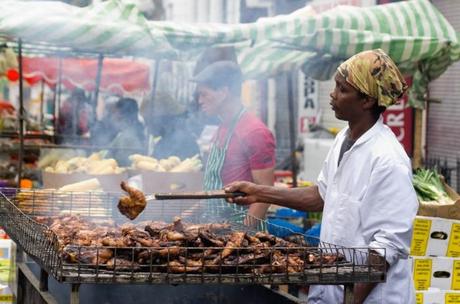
<point>243,148</point>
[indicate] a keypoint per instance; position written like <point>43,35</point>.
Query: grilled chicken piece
<point>178,225</point>
<point>190,262</point>
<point>122,264</point>
<point>210,239</point>
<point>117,241</point>
<point>235,241</point>
<point>178,267</point>
<point>170,251</point>
<point>75,254</point>
<point>141,237</point>
<point>146,255</point>
<point>131,206</point>
<point>174,236</point>
<point>295,264</point>
<point>252,240</point>
<point>154,228</point>
<point>86,237</point>
<point>330,258</point>
<point>212,227</point>
<point>146,242</point>
<point>247,259</point>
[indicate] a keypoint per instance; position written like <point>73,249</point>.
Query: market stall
<point>117,77</point>
<point>413,33</point>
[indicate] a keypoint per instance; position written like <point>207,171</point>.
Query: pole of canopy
<point>100,62</point>
<point>42,101</point>
<point>154,85</point>
<point>151,104</point>
<point>20,114</point>
<point>57,99</point>
<point>292,121</point>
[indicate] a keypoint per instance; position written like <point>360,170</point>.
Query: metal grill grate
<point>175,265</point>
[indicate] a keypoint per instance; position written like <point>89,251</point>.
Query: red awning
<point>118,75</point>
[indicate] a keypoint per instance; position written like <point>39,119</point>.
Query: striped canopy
<point>109,27</point>
<point>413,33</point>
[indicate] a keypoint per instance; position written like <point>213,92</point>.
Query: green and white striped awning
<point>413,33</point>
<point>109,27</point>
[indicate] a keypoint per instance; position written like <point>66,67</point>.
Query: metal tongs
<point>193,195</point>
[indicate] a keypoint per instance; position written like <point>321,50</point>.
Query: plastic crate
<point>313,234</point>
<point>282,228</point>
<point>290,213</point>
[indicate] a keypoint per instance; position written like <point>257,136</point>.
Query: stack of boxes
<point>435,253</point>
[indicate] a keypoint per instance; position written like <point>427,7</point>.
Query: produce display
<point>170,164</point>
<point>180,247</point>
<point>436,198</point>
<point>95,164</point>
<point>429,187</point>
<point>50,201</point>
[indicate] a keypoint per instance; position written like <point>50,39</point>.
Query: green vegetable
<point>429,187</point>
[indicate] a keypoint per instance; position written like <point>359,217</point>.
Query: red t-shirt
<point>252,147</point>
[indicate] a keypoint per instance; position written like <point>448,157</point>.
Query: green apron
<point>219,208</point>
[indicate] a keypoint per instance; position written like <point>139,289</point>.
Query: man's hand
<point>250,189</point>
<point>362,290</point>
<point>306,199</point>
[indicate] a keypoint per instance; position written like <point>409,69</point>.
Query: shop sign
<point>400,118</point>
<point>308,103</point>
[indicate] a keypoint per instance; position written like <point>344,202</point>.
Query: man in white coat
<point>365,187</point>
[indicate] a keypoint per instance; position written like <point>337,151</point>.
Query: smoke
<point>170,112</point>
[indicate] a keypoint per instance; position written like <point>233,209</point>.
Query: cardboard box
<point>7,271</point>
<point>437,297</point>
<point>436,272</point>
<point>451,211</point>
<point>435,237</point>
<point>109,182</point>
<point>170,181</point>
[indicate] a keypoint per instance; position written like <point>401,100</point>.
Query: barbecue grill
<point>19,210</point>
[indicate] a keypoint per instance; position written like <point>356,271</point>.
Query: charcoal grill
<point>18,210</point>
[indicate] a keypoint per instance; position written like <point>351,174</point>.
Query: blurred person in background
<point>365,188</point>
<point>130,138</point>
<point>104,130</point>
<point>243,147</point>
<point>75,117</point>
<point>170,121</point>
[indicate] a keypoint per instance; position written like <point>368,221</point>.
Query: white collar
<point>374,130</point>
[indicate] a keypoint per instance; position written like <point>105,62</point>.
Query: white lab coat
<point>369,201</point>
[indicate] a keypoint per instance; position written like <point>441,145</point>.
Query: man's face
<point>210,100</point>
<point>346,101</point>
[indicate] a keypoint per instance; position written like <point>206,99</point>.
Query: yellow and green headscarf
<point>376,75</point>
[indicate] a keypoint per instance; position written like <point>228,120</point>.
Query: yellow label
<point>453,250</point>
<point>419,298</point>
<point>6,298</point>
<point>451,298</point>
<point>420,237</point>
<point>422,273</point>
<point>456,275</point>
